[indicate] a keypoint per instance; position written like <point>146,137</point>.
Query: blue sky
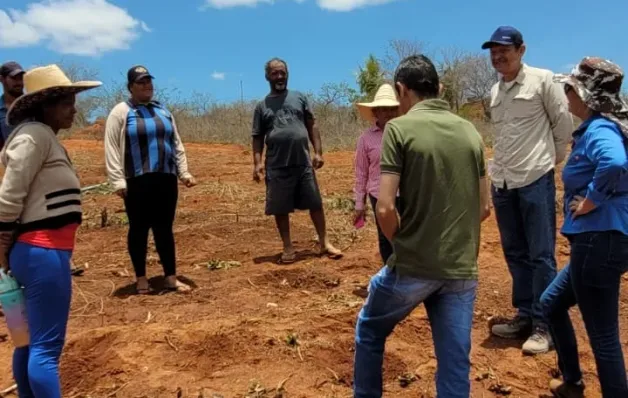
<point>210,45</point>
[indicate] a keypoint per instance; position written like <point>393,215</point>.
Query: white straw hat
<point>41,83</point>
<point>384,97</point>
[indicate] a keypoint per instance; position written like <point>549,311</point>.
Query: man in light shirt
<point>532,130</point>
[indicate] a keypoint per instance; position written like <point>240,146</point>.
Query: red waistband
<point>59,239</point>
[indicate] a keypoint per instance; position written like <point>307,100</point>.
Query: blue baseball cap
<point>504,36</point>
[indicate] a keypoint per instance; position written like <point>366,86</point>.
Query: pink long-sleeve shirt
<point>367,171</point>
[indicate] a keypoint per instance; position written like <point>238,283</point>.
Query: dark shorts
<point>290,188</point>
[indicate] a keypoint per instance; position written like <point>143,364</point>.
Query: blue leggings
<point>47,280</point>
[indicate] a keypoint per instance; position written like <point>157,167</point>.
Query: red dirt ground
<point>245,330</point>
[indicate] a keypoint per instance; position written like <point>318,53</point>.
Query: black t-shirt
<point>281,120</point>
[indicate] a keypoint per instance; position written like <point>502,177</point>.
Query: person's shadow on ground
<point>157,283</point>
<point>300,255</point>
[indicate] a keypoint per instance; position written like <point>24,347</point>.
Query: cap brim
<point>16,72</point>
<point>490,44</point>
<point>143,75</point>
<point>21,107</point>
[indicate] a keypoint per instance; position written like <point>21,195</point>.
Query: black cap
<point>11,69</point>
<point>136,73</point>
<point>504,36</point>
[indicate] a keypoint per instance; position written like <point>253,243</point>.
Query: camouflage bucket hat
<point>598,83</point>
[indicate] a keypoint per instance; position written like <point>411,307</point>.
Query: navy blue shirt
<point>5,129</point>
<point>149,140</point>
<point>597,168</point>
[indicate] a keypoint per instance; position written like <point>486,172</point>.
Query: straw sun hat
<point>385,97</point>
<point>42,83</point>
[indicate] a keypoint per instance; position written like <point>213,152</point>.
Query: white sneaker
<point>539,342</point>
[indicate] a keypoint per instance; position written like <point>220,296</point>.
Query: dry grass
<point>203,122</point>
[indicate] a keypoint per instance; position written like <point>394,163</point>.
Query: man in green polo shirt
<point>436,161</point>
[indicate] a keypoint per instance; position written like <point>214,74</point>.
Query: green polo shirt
<point>440,159</point>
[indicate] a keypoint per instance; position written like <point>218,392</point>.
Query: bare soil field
<point>251,327</point>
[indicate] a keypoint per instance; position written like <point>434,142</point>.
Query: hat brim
<point>16,72</point>
<point>366,108</point>
<point>22,106</point>
<point>585,95</point>
<point>490,44</point>
<point>142,76</point>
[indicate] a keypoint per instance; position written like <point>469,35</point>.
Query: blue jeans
<point>526,218</point>
<point>45,275</point>
<point>592,281</point>
<point>392,297</point>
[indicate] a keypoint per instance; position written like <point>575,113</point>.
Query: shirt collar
<point>430,104</point>
<point>585,124</point>
<point>521,76</point>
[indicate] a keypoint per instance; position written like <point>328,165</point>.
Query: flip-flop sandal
<point>287,258</point>
<point>179,288</point>
<point>147,290</point>
<point>333,256</point>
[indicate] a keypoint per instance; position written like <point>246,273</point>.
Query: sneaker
<point>562,389</point>
<point>516,328</point>
<point>539,342</point>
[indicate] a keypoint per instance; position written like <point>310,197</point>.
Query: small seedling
<point>292,340</point>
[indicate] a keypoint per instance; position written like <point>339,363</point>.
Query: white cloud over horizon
<point>332,5</point>
<point>219,75</point>
<point>76,27</point>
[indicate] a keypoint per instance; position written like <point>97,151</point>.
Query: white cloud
<point>349,5</point>
<point>219,75</point>
<point>79,27</point>
<point>234,3</point>
<point>333,5</point>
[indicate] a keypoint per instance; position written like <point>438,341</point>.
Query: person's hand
<point>121,193</point>
<point>317,161</point>
<point>357,214</point>
<point>258,172</point>
<point>580,206</point>
<point>189,181</point>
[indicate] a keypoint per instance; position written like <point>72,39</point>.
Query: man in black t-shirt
<point>284,123</point>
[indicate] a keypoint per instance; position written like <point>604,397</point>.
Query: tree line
<point>467,78</point>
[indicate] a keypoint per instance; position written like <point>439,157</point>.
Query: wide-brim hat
<point>598,83</point>
<point>385,97</point>
<point>40,84</point>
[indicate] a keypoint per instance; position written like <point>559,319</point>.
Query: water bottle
<point>14,308</point>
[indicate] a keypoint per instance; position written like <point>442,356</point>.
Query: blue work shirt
<point>597,168</point>
<point>5,129</point>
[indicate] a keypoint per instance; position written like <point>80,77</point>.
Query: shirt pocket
<point>525,106</point>
<point>497,109</point>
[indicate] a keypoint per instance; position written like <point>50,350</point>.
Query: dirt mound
<point>251,327</point>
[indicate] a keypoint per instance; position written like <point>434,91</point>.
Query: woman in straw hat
<point>40,211</point>
<point>596,223</point>
<point>378,112</point>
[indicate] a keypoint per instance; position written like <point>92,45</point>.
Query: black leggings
<point>151,203</point>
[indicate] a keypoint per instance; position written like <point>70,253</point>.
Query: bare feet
<point>172,283</point>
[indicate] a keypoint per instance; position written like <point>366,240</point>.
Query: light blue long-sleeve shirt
<point>597,168</point>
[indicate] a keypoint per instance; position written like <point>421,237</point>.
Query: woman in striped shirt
<point>144,156</point>
<point>383,108</point>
